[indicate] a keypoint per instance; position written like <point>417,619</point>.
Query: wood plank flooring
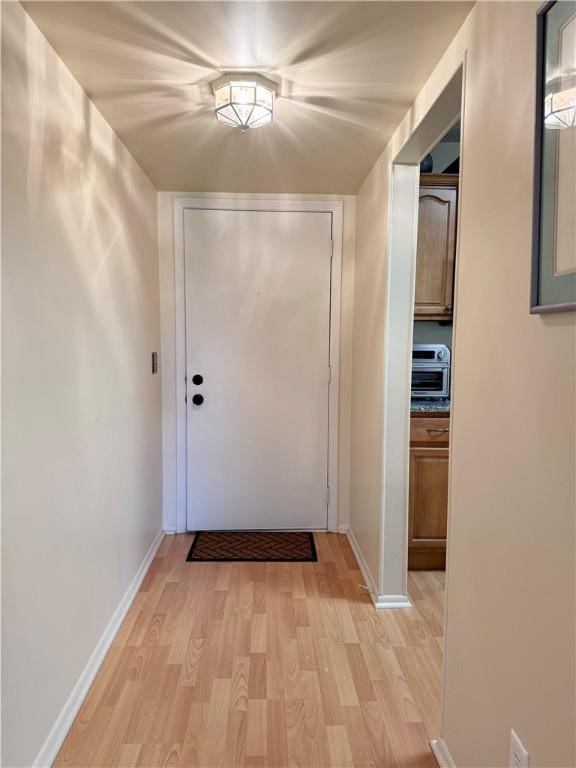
<point>264,665</point>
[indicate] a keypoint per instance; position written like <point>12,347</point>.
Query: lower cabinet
<point>428,505</point>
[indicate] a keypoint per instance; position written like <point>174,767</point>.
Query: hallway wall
<point>511,551</point>
<point>81,432</point>
<point>367,435</point>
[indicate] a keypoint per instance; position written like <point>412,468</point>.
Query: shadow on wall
<point>81,431</point>
<point>77,161</point>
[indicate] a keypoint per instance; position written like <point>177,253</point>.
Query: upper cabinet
<point>436,247</point>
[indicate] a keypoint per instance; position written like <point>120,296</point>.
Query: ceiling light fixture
<point>560,103</point>
<point>244,100</point>
<point>560,109</point>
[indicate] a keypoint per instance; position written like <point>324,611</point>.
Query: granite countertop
<point>430,406</point>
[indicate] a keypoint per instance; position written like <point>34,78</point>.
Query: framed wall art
<point>554,226</point>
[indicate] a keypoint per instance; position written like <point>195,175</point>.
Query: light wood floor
<point>263,665</point>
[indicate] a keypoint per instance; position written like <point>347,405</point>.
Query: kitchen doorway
<point>401,280</point>
<point>260,309</point>
<point>432,354</point>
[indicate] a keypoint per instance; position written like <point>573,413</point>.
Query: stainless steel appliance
<point>430,371</point>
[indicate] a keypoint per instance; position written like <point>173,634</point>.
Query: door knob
<point>198,399</point>
<point>197,379</point>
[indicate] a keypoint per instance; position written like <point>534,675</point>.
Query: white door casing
<point>262,308</point>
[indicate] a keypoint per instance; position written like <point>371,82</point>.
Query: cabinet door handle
<point>437,429</point>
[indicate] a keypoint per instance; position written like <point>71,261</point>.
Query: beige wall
<point>167,300</point>
<point>511,566</point>
<point>511,597</point>
<point>370,283</point>
<point>81,411</point>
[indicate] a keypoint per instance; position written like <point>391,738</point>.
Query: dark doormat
<point>253,546</point>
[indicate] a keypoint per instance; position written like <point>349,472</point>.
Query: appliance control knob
<point>442,354</point>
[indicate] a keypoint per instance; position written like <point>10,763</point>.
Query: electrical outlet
<point>519,755</point>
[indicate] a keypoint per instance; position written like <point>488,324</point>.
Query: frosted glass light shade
<point>560,109</point>
<point>244,100</point>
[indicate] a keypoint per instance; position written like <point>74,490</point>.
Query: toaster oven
<point>430,371</point>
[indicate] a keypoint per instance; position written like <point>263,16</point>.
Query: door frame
<point>335,208</point>
<point>401,258</point>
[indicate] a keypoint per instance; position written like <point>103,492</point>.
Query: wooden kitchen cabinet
<point>428,494</point>
<point>436,247</point>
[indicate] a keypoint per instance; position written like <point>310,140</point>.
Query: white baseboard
<point>442,753</point>
<point>391,601</point>
<point>344,528</point>
<point>379,600</point>
<point>52,745</point>
<point>369,582</point>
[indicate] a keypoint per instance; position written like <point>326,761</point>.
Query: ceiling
<point>347,72</point>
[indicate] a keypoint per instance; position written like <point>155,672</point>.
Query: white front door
<point>258,335</point>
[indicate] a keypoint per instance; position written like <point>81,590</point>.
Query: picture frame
<point>553,278</point>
